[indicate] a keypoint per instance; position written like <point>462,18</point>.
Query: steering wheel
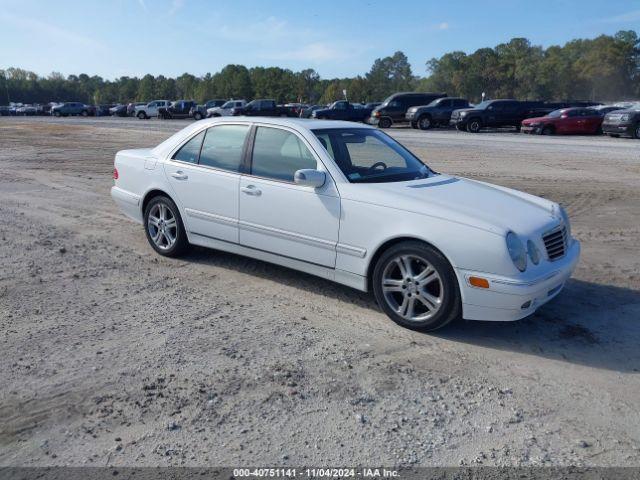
<point>376,165</point>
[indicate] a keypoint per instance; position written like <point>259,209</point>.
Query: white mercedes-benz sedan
<point>349,203</point>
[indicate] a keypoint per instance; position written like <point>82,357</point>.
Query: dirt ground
<point>112,355</point>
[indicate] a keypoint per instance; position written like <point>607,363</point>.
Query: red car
<point>565,120</point>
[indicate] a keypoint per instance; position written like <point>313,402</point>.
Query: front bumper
<point>509,299</point>
<point>372,121</point>
<point>617,128</point>
<point>410,117</point>
<point>530,129</point>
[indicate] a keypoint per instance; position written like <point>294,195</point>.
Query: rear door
<point>205,176</point>
<point>279,216</point>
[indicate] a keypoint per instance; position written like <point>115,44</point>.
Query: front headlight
<point>534,253</point>
<point>462,114</point>
<point>624,117</point>
<point>517,251</point>
<point>567,223</point>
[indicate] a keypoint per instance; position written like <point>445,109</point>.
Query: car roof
<point>292,122</point>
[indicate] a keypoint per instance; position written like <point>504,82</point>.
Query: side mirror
<point>309,177</point>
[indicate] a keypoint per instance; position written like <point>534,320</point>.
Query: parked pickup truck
<point>497,113</point>
<point>342,110</point>
<point>225,110</point>
<point>198,112</point>
<point>178,109</point>
<point>151,109</point>
<point>436,113</point>
<point>262,108</point>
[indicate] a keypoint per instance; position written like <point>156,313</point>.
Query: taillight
<point>115,174</point>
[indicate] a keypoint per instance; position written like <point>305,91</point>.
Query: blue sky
<point>338,38</point>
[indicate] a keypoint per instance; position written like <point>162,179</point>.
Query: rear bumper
<point>509,299</point>
<point>129,203</point>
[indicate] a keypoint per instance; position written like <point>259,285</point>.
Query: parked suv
<point>436,113</point>
<point>225,110</point>
<point>262,108</point>
<point>71,108</point>
<point>394,108</point>
<point>151,109</point>
<point>342,110</point>
<point>497,113</point>
<point>178,109</point>
<point>623,122</point>
<point>198,112</point>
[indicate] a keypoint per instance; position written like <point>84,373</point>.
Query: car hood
<point>535,120</point>
<point>458,110</point>
<point>488,207</point>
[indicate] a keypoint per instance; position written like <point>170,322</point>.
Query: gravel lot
<point>112,355</point>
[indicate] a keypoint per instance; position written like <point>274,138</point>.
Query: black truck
<point>262,108</point>
<point>497,113</point>
<point>342,110</point>
<point>436,113</point>
<point>394,108</point>
<point>178,109</point>
<point>623,123</point>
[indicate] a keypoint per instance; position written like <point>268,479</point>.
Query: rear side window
<point>277,154</point>
<point>190,151</point>
<point>223,146</point>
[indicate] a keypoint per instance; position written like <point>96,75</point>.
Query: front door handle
<point>251,190</point>
<point>179,175</point>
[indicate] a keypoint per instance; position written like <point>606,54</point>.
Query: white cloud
<point>631,16</point>
<point>50,31</point>
<point>312,52</point>
<point>443,26</point>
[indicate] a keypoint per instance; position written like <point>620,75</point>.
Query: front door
<point>279,216</point>
<point>205,176</point>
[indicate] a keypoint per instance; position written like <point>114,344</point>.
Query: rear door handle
<point>179,175</point>
<point>251,190</point>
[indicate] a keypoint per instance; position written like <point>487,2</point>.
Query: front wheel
<point>547,131</point>
<point>416,287</point>
<point>141,115</point>
<point>84,113</point>
<point>424,123</point>
<point>636,131</point>
<point>474,125</point>
<point>197,116</point>
<point>384,123</point>
<point>164,228</point>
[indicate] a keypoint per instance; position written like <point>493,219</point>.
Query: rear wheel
<point>164,228</point>
<point>424,123</point>
<point>384,122</point>
<point>84,113</point>
<point>474,125</point>
<point>416,287</point>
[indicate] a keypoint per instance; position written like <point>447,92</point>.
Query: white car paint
<point>225,109</point>
<point>151,108</point>
<point>334,231</point>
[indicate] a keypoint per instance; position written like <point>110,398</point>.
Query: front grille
<point>556,242</point>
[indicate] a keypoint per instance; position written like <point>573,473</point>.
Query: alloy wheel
<point>162,226</point>
<point>412,288</point>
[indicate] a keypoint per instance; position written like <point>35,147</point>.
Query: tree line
<point>600,69</point>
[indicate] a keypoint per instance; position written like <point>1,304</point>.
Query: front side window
<point>190,151</point>
<point>278,154</point>
<point>223,146</point>
<point>368,155</point>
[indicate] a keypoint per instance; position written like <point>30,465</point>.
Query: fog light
<point>479,282</point>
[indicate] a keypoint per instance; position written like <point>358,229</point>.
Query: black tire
<point>450,306</point>
<point>474,125</point>
<point>84,113</point>
<point>414,124</point>
<point>636,131</point>
<point>384,122</point>
<point>613,135</point>
<point>141,115</point>
<point>57,114</point>
<point>425,122</point>
<point>197,116</point>
<point>547,130</point>
<point>181,243</point>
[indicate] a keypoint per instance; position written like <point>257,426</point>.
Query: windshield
<point>230,104</point>
<point>556,113</point>
<point>483,105</point>
<point>368,155</point>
